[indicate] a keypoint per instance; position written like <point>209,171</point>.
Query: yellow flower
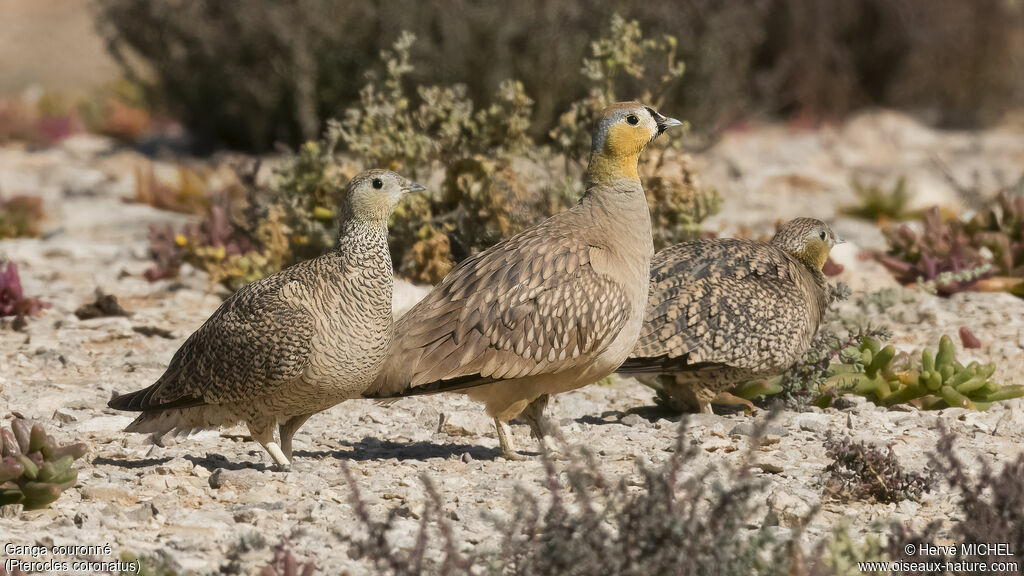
<point>180,240</point>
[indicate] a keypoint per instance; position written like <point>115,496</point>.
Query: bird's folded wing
<point>723,302</point>
<point>531,305</point>
<point>257,340</point>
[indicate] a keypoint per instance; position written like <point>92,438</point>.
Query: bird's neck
<point>606,169</point>
<point>359,237</point>
<point>813,261</point>
<point>620,221</point>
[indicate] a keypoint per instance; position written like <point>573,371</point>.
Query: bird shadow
<point>214,462</point>
<point>123,463</point>
<point>376,449</point>
<point>650,413</point>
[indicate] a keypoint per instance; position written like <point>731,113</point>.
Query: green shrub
<point>482,199</point>
<point>878,203</point>
<point>493,181</point>
<point>20,216</point>
<point>243,237</point>
<point>863,471</point>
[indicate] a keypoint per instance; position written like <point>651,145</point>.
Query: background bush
<point>492,180</point>
<point>275,72</point>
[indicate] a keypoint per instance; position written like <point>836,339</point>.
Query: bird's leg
<point>705,396</point>
<point>541,427</point>
<point>508,448</point>
<point>265,436</point>
<point>287,430</point>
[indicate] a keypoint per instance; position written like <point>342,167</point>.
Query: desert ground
<point>199,504</point>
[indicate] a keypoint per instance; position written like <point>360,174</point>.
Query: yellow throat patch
<point>815,253</point>
<point>618,159</point>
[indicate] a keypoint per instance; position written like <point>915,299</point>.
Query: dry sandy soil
<point>190,502</point>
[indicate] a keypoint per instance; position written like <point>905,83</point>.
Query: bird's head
<point>620,135</point>
<point>808,240</point>
<point>372,195</point>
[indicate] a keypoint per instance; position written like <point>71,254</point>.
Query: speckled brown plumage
<point>292,344</point>
<point>723,311</point>
<point>553,308</point>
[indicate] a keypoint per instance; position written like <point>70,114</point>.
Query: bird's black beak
<point>415,187</point>
<point>663,122</point>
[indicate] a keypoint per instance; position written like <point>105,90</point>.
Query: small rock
<point>81,519</point>
<point>742,429</point>
<point>464,424</point>
<point>241,480</point>
<point>748,428</point>
<point>466,457</point>
<point>104,424</point>
<point>770,465</point>
<point>714,443</point>
<point>105,305</point>
<point>141,513</point>
<point>968,339</point>
<point>64,416</point>
<point>790,509</point>
<point>154,331</point>
<point>108,493</point>
<point>817,423</point>
<point>10,510</point>
<point>632,420</point>
<point>245,516</point>
<point>908,507</point>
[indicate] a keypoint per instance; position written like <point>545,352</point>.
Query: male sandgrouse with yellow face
<point>553,308</point>
<point>723,311</point>
<point>290,345</point>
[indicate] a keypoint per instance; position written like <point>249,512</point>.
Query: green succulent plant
<point>937,380</point>
<point>34,469</point>
<point>879,203</point>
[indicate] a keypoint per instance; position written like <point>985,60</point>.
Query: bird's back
<point>730,302</point>
<point>312,320</point>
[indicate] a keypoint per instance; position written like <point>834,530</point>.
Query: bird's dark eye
<point>378,184</point>
<point>822,235</point>
<point>632,119</point>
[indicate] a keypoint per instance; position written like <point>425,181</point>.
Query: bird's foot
<point>280,460</point>
<point>513,456</point>
<point>552,449</point>
<point>508,447</point>
<point>733,400</point>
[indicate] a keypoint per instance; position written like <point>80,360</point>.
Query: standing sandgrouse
<point>290,345</point>
<point>556,307</point>
<point>727,310</point>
